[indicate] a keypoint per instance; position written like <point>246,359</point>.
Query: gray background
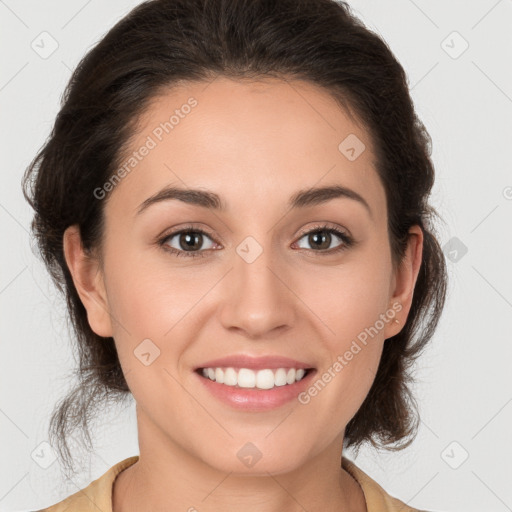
<point>464,385</point>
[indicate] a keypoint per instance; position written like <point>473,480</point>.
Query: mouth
<point>247,378</point>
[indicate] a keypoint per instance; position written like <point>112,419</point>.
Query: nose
<point>259,301</point>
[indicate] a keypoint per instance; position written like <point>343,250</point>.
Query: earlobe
<point>88,280</point>
<point>406,277</point>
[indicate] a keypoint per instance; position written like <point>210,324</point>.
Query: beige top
<point>97,496</point>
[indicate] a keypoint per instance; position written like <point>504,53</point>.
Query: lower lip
<point>254,399</point>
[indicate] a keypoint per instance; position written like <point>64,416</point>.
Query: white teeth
<point>219,375</point>
<point>299,374</point>
<point>280,377</point>
<point>230,377</point>
<point>247,378</point>
<point>265,379</point>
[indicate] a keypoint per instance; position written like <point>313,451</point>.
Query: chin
<point>249,460</point>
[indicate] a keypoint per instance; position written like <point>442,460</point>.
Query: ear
<point>88,280</point>
<point>404,281</point>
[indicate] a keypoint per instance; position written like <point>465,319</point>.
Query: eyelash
<point>346,239</point>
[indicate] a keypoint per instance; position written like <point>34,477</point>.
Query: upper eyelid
<point>324,226</point>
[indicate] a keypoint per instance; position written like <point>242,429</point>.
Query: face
<point>260,281</point>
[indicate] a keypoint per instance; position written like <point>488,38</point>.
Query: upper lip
<point>255,363</point>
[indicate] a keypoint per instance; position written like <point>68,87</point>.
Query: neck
<point>167,477</point>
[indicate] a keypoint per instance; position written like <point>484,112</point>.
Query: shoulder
<point>377,499</point>
<point>96,496</point>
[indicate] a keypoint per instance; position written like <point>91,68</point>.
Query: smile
<point>260,379</point>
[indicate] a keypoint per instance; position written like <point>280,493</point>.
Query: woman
<point>234,200</point>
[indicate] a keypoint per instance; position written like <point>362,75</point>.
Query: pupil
<point>189,240</point>
<point>322,235</point>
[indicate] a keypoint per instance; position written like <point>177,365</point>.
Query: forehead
<point>249,139</point>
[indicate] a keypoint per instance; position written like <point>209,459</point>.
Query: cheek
<point>150,299</point>
<point>348,298</point>
<point>145,294</point>
<point>351,302</point>
<point>151,313</point>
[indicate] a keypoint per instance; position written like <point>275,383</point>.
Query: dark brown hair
<point>161,43</point>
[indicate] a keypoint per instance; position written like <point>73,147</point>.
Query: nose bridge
<point>258,300</point>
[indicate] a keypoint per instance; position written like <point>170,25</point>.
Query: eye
<point>322,237</point>
<point>187,242</point>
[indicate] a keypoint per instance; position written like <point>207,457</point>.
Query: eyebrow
<point>206,199</point>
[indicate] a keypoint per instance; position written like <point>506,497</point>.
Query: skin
<point>255,144</point>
